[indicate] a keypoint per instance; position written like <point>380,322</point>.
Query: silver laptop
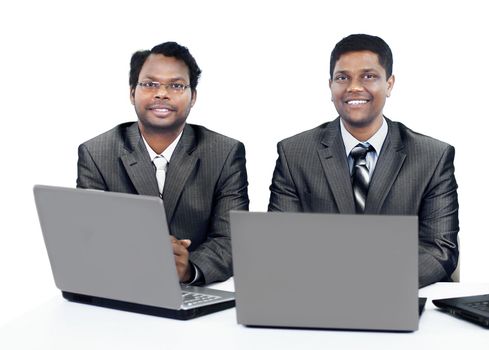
<point>113,249</point>
<point>325,270</point>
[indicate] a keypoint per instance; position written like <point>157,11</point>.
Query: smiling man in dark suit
<point>200,174</point>
<point>364,163</point>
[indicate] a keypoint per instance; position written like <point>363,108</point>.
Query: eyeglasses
<point>171,88</point>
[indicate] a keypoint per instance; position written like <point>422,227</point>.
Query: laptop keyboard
<point>193,299</point>
<point>480,305</point>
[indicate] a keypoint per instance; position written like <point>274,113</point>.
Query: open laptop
<point>113,249</point>
<point>471,308</point>
<point>326,271</point>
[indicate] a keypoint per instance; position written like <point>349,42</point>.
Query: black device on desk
<point>472,308</point>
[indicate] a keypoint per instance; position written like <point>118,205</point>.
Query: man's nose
<point>162,92</point>
<point>355,85</point>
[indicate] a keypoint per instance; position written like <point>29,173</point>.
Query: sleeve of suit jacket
<point>213,257</point>
<point>283,194</point>
<point>89,175</point>
<point>438,223</point>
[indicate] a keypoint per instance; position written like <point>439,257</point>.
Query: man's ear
<point>390,84</point>
<point>194,98</point>
<point>132,92</point>
<point>331,82</point>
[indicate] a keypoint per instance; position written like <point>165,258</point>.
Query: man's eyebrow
<point>364,70</point>
<point>369,70</point>
<point>153,78</point>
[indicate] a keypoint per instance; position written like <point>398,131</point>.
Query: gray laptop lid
<point>100,242</point>
<point>325,270</point>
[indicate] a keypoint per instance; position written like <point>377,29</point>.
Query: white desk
<point>59,324</point>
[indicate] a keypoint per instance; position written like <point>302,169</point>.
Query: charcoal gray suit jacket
<point>414,175</point>
<point>206,177</point>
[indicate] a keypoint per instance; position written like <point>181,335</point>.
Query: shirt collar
<point>167,153</point>
<point>377,140</point>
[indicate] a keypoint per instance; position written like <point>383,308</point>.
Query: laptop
<point>113,250</point>
<point>471,308</point>
<point>303,270</point>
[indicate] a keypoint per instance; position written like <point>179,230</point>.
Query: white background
<point>64,79</point>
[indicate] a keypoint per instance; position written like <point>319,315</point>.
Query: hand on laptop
<point>180,252</point>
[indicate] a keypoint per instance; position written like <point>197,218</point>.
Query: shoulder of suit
<point>109,138</point>
<point>207,137</point>
<point>415,139</point>
<point>311,136</point>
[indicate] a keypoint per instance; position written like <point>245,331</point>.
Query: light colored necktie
<point>360,176</point>
<point>160,163</point>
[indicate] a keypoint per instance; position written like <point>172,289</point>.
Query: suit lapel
<point>137,163</point>
<point>335,166</point>
<point>387,168</point>
<point>180,167</point>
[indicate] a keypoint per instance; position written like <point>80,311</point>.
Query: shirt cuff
<point>197,275</point>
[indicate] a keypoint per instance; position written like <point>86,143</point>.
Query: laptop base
<point>147,309</point>
<point>421,304</point>
<point>457,307</point>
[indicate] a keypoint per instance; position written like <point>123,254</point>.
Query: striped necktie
<point>360,177</point>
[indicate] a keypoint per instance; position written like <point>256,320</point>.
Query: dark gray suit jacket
<point>206,178</point>
<point>414,175</point>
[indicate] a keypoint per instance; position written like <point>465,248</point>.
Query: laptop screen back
<point>326,271</point>
<point>109,245</point>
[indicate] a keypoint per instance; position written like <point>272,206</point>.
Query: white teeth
<point>161,110</point>
<point>357,102</point>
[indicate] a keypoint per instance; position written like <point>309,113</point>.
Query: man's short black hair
<point>168,49</point>
<point>363,42</point>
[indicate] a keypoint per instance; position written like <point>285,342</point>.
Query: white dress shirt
<point>167,153</point>
<point>377,140</point>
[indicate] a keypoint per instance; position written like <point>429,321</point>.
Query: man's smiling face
<point>359,88</point>
<point>162,109</point>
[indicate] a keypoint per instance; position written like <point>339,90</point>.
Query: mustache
<point>159,105</point>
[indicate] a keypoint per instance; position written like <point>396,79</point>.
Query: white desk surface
<point>59,324</point>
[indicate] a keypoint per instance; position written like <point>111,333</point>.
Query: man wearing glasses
<point>365,163</point>
<point>200,174</point>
